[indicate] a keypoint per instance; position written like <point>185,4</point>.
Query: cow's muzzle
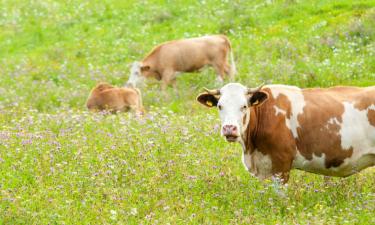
<point>230,132</point>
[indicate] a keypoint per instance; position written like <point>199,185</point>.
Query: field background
<point>60,164</point>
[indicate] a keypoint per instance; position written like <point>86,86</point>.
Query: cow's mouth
<point>231,138</point>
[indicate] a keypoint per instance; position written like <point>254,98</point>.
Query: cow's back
<point>130,96</point>
<point>94,99</point>
<point>189,54</point>
<point>105,99</point>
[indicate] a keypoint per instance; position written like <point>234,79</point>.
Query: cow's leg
<point>222,66</point>
<point>163,86</point>
<point>168,78</point>
<point>282,169</point>
<point>228,71</point>
<point>174,85</point>
<point>280,176</point>
<point>219,69</point>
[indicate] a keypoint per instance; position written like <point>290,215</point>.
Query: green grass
<point>60,164</point>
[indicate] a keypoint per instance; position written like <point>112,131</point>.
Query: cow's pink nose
<point>230,130</point>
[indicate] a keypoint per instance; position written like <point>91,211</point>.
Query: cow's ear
<point>145,68</point>
<point>207,99</point>
<point>258,98</point>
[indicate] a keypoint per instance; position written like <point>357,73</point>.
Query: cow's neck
<point>149,62</point>
<point>251,131</point>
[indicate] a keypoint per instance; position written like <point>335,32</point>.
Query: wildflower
<point>192,177</point>
<point>216,128</point>
<point>149,216</point>
<point>27,142</point>
<point>113,214</point>
<point>133,211</point>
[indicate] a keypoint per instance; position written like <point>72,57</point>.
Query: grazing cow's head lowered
<point>135,74</point>
<point>233,101</point>
<point>138,71</point>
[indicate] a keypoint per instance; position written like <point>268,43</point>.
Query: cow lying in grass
<point>186,55</point>
<point>325,131</point>
<point>114,99</point>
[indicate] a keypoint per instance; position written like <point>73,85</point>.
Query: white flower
<point>134,211</point>
<point>113,214</point>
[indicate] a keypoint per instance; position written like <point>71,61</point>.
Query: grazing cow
<point>186,55</point>
<point>114,99</point>
<point>329,131</point>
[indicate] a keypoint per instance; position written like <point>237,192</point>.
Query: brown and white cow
<point>325,131</point>
<point>186,55</point>
<point>114,99</point>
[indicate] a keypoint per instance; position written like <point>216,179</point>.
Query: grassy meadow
<point>60,164</point>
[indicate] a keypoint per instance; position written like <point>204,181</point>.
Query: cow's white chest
<point>258,164</point>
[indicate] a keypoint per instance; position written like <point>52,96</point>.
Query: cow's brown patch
<point>268,130</point>
<point>363,99</point>
<point>371,117</point>
<point>244,119</point>
<point>319,129</point>
<point>365,102</point>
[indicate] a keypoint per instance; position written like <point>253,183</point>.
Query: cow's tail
<point>233,69</point>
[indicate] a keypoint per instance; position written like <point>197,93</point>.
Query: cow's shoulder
<point>287,102</point>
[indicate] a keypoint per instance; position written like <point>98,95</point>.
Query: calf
<point>114,99</point>
<point>325,131</point>
<point>186,55</point>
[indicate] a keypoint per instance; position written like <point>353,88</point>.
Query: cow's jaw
<point>233,111</point>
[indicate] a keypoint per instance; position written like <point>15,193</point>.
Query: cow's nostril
<point>229,130</point>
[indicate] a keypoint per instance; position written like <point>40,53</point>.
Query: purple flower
<point>216,127</point>
<point>27,142</point>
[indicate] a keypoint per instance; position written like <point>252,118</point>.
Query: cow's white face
<point>233,102</point>
<point>233,111</point>
<point>135,74</point>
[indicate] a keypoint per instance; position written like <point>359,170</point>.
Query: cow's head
<point>139,71</point>
<point>233,102</point>
<point>135,75</point>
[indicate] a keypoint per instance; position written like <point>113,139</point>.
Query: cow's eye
<point>244,107</point>
<point>220,107</point>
